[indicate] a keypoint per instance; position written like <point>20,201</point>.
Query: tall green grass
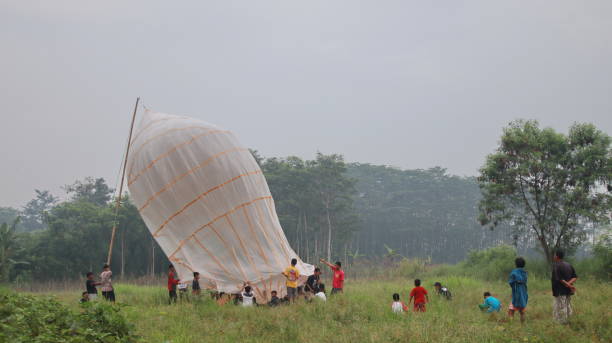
<point>363,314</point>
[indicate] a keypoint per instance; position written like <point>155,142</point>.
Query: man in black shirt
<point>562,279</point>
<point>90,285</point>
<point>312,283</point>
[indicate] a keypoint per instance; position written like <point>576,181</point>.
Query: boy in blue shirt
<point>518,283</point>
<point>491,304</point>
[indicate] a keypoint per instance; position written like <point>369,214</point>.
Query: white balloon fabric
<point>206,202</point>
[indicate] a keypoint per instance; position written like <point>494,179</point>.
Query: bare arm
<point>327,263</point>
<point>570,284</point>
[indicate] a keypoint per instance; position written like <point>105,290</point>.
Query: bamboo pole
<point>118,201</point>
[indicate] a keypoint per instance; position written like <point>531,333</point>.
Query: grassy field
<point>363,314</point>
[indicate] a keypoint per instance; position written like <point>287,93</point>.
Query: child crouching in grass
<point>321,293</point>
<point>398,306</point>
<point>84,297</point>
<point>275,300</point>
<point>491,304</point>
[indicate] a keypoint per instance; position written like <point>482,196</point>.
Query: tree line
<point>348,211</point>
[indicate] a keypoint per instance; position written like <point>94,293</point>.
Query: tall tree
<point>334,188</point>
<point>35,210</point>
<point>548,184</point>
<point>95,191</point>
<point>9,247</point>
<point>8,214</point>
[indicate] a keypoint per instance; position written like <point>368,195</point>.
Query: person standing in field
<point>108,292</point>
<point>90,285</point>
<point>172,283</point>
<point>195,284</point>
<point>292,274</point>
<point>419,295</point>
<point>338,278</point>
<point>398,306</point>
<point>562,279</point>
<point>518,283</point>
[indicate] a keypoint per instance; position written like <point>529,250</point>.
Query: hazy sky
<point>413,84</point>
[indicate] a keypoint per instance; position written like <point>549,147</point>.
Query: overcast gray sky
<point>413,84</point>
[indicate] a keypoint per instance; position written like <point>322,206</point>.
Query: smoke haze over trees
<point>327,208</point>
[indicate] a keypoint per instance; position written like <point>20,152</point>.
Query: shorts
<point>92,296</point>
<point>512,309</point>
<point>336,290</point>
<point>109,295</point>
<point>291,292</point>
<point>420,307</point>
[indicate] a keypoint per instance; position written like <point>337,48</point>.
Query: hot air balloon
<point>207,203</point>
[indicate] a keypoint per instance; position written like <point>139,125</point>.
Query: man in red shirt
<point>419,294</point>
<point>172,282</point>
<point>338,280</point>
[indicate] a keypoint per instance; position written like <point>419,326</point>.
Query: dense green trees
<point>418,213</point>
<point>548,185</point>
<point>75,236</point>
<point>9,249</point>
<point>314,201</point>
<point>337,210</point>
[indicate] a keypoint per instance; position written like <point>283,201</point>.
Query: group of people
<point>418,296</point>
<point>563,279</point>
<point>313,288</point>
<point>105,283</point>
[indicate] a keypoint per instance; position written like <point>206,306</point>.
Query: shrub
<point>493,263</point>
<point>600,264</point>
<point>25,318</point>
<point>411,267</point>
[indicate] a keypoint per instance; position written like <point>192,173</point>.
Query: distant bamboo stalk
<point>118,200</point>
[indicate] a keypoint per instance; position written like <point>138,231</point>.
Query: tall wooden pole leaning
<point>118,200</point>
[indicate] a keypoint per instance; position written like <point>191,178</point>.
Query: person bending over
<point>443,291</point>
<point>491,304</point>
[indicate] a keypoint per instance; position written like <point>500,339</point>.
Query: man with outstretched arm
<point>338,279</point>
